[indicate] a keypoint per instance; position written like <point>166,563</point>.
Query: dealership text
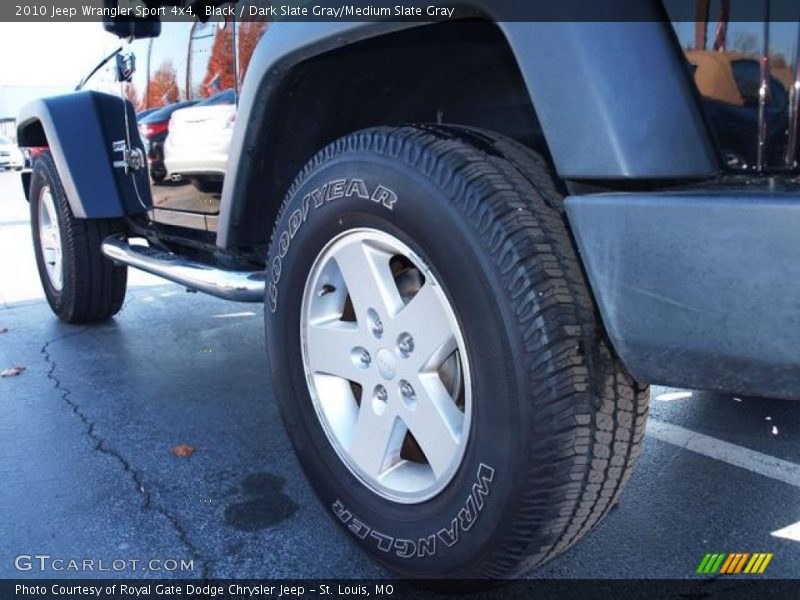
<point>206,590</point>
<point>45,562</point>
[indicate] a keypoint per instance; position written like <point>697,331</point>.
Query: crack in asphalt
<point>101,445</point>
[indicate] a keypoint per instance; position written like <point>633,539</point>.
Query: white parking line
<point>791,532</point>
<point>234,315</point>
<point>671,396</point>
<point>756,462</point>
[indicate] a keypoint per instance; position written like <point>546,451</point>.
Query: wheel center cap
<point>387,366</point>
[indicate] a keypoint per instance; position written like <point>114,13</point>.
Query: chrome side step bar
<point>240,286</point>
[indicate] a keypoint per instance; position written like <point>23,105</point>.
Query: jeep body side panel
<point>698,289</point>
<point>80,130</point>
<point>609,96</point>
<point>587,81</point>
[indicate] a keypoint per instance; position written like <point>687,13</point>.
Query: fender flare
<point>586,119</point>
<point>80,130</point>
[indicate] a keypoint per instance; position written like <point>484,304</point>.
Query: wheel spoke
<point>436,423</point>
<point>47,201</point>
<point>330,349</point>
<point>58,273</point>
<point>377,439</point>
<point>434,339</point>
<point>369,279</point>
<point>50,238</point>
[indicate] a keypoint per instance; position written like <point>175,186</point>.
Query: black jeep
<point>477,241</point>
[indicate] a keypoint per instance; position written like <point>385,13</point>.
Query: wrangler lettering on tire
<point>426,546</point>
<point>440,365</point>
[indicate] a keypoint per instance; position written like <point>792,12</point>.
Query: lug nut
<point>375,323</point>
<point>408,394</point>
<point>379,398</point>
<point>381,393</point>
<point>361,357</point>
<point>405,344</point>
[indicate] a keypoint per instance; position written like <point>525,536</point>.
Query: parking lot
<point>87,428</point>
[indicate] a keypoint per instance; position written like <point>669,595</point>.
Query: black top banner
<point>394,10</point>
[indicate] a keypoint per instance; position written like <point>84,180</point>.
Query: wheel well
<point>31,134</point>
<point>458,73</point>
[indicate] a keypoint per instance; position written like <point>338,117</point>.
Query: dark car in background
<point>143,113</point>
<point>730,84</point>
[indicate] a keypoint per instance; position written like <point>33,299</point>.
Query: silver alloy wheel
<point>50,238</point>
<point>386,365</point>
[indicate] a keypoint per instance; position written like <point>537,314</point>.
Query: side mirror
<point>129,26</point>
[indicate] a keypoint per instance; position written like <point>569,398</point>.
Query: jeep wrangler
<point>476,241</point>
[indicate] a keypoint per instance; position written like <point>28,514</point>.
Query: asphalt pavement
<point>86,470</point>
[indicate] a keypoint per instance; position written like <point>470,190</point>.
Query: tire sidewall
<point>44,174</point>
<point>463,521</point>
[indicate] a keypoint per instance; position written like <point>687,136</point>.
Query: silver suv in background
<point>10,155</point>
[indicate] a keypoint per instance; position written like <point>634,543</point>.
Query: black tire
<point>93,287</point>
<point>557,422</point>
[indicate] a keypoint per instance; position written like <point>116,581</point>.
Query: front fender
<point>80,130</point>
<point>602,116</point>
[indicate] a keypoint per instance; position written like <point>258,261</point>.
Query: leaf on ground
<point>182,450</point>
<point>12,372</point>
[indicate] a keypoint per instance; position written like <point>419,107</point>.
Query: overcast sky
<point>51,54</point>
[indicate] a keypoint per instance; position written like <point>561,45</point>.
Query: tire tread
<point>96,288</point>
<point>593,411</point>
